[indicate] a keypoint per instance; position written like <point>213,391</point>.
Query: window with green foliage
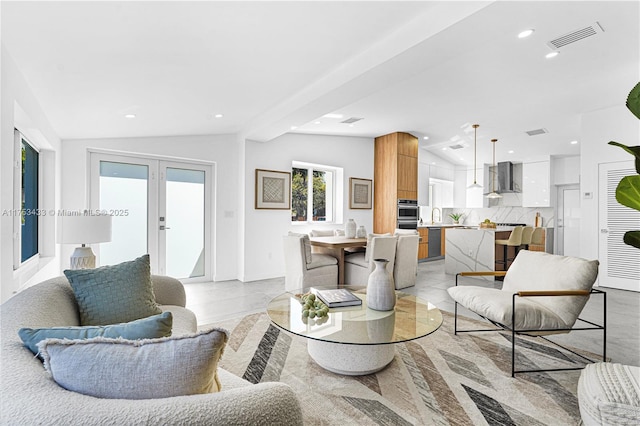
<point>312,193</point>
<point>29,201</point>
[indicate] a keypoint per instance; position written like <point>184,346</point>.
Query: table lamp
<point>84,229</point>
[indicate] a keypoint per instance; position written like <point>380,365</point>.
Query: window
<point>313,193</point>
<point>29,211</point>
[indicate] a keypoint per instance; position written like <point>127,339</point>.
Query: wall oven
<point>407,214</point>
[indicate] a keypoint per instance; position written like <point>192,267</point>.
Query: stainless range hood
<point>509,177</point>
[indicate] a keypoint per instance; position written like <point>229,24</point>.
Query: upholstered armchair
<point>405,268</point>
<point>542,294</point>
<point>358,266</point>
<point>304,268</point>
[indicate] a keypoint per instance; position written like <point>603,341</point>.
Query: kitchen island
<point>473,249</point>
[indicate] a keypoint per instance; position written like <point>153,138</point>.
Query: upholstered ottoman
<point>609,394</point>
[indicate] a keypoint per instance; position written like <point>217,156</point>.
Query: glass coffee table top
<point>412,318</point>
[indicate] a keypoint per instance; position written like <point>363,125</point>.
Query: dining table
<point>335,246</point>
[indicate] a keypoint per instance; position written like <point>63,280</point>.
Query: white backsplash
<point>473,217</point>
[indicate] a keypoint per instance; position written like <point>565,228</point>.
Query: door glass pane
<point>320,193</point>
<point>184,223</point>
<point>123,191</point>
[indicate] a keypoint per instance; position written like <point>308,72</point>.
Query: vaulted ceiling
<point>424,67</point>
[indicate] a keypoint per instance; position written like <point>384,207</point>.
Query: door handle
<point>163,228</point>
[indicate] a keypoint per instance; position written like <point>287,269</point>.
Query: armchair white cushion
<point>303,268</point>
<point>358,266</point>
<point>405,268</point>
<point>533,271</point>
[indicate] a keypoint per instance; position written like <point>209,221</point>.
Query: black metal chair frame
<point>514,332</point>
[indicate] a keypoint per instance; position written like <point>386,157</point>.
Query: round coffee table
<point>356,340</point>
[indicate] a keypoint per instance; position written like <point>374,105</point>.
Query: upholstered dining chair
<point>304,268</point>
<point>542,294</point>
<point>358,266</point>
<point>405,269</point>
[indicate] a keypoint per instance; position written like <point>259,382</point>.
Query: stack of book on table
<point>337,298</point>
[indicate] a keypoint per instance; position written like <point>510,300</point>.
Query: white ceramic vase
<point>381,293</point>
<point>350,229</point>
<point>361,232</point>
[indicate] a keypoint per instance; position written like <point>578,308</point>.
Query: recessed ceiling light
<point>461,159</point>
<point>333,116</point>
<point>425,137</point>
<point>129,116</point>
<point>526,33</point>
<point>316,122</point>
<point>444,149</point>
<point>551,54</point>
<point>294,127</point>
<point>218,116</point>
<point>574,142</point>
<point>511,152</point>
<point>433,162</point>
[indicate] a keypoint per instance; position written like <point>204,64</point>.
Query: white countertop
<point>439,225</point>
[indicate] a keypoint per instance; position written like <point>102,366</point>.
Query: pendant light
<point>475,156</point>
<point>493,194</point>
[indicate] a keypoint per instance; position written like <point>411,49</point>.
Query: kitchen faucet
<point>433,210</point>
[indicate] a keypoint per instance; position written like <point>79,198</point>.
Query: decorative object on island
<point>493,194</point>
<point>360,193</point>
<point>538,222</point>
<point>273,190</point>
<point>487,224</point>
<point>361,232</point>
<point>85,229</point>
<point>628,190</point>
<point>350,229</point>
<point>475,156</point>
<point>456,217</point>
<point>381,295</point>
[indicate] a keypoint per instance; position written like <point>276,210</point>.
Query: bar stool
<point>537,240</point>
<point>515,240</point>
<point>527,232</point>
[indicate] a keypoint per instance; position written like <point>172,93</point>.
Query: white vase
<point>361,232</point>
<point>381,293</point>
<point>350,229</point>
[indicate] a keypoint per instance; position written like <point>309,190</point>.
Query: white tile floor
<point>216,301</point>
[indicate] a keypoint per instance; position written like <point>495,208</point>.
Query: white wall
<point>222,150</point>
<point>565,170</point>
<point>19,108</point>
<point>263,229</point>
<point>598,128</point>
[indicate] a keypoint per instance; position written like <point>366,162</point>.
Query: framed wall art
<point>273,190</point>
<point>360,193</point>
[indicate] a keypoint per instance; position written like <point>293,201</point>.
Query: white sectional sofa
<point>29,396</point>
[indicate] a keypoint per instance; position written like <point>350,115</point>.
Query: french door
<point>568,220</point>
<point>619,262</point>
<point>159,207</point>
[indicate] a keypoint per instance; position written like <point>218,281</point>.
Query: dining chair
<point>304,268</point>
<point>405,269</point>
<point>358,266</point>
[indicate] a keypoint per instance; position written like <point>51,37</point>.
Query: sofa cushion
<point>114,294</point>
<point>145,328</point>
<point>137,369</point>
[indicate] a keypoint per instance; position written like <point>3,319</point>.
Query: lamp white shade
<point>85,229</point>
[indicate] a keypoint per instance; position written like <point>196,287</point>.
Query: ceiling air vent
<point>574,36</point>
<point>456,146</point>
<point>351,120</point>
<point>537,132</point>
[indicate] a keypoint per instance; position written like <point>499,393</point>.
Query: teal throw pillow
<point>146,328</point>
<point>114,294</point>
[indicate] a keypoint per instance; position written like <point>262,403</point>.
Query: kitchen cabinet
<point>423,247</point>
<point>536,184</point>
<point>395,176</point>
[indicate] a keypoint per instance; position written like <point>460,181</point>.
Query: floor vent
<point>351,120</point>
<point>456,146</point>
<point>574,36</point>
<point>537,132</point>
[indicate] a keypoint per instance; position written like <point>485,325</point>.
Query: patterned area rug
<point>441,379</point>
